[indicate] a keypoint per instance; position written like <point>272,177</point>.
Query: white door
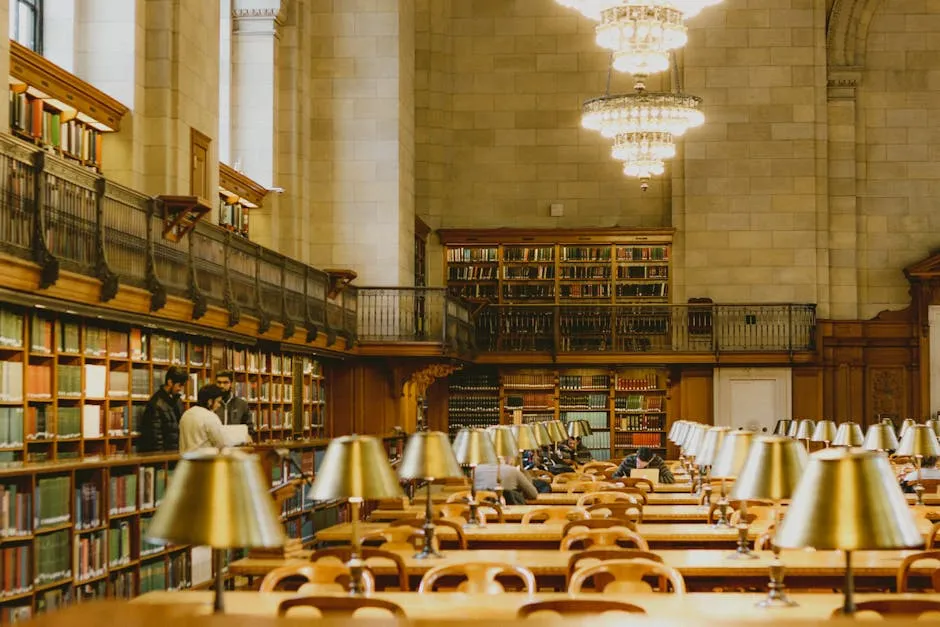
<point>752,398</point>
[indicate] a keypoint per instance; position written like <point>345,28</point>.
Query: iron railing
<point>62,216</point>
<point>414,314</point>
<point>603,328</point>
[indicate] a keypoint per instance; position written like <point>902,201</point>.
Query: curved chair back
<point>639,483</point>
<point>318,578</point>
<point>399,537</point>
<point>480,577</point>
<point>632,512</point>
<point>605,538</point>
<point>601,555</point>
<point>575,607</point>
<point>587,486</point>
<point>595,523</point>
<point>607,496</point>
<point>635,492</point>
<point>905,568</point>
<point>463,496</point>
<point>338,606</point>
<point>627,576</point>
<point>555,514</point>
<point>344,553</point>
<point>895,607</point>
<point>597,467</point>
<point>418,523</point>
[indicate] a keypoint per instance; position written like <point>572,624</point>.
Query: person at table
<point>532,461</point>
<point>515,485</point>
<point>200,426</point>
<point>928,470</point>
<point>645,458</point>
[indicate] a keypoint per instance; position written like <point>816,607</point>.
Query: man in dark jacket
<point>160,422</point>
<point>645,458</point>
<point>233,410</point>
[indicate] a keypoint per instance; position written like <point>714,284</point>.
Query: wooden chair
<point>575,607</point>
<point>564,477</point>
<point>608,473</point>
<point>463,496</point>
<point>343,554</point>
<point>587,486</point>
<point>601,555</point>
<point>555,514</point>
<point>756,510</point>
<point>480,577</point>
<point>596,523</point>
<point>418,523</point>
<point>400,537</point>
<point>597,467</point>
<point>905,568</point>
<point>603,538</point>
<point>637,482</point>
<point>895,607</point>
<point>318,578</point>
<point>635,492</point>
<point>338,606</point>
<point>462,511</point>
<point>627,576</point>
<point>608,496</point>
<point>544,475</point>
<point>931,537</point>
<point>632,512</point>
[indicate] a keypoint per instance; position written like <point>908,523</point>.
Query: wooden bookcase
<point>59,111</point>
<point>238,197</point>
<point>626,407</point>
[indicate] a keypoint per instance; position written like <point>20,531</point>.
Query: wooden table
<point>663,488</point>
<point>703,569</point>
<point>449,606</point>
<point>514,513</point>
<point>654,498</point>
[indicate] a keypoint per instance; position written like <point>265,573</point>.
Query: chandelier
<point>641,34</point>
<point>644,126</point>
<point>592,9</point>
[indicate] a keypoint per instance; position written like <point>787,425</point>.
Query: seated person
<point>532,460</point>
<point>928,470</point>
<point>515,485</point>
<point>582,454</point>
<point>645,458</point>
<point>553,462</point>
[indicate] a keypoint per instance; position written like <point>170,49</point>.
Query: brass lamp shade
<point>355,466</point>
<point>730,458</point>
<point>881,437</point>
<point>783,426</point>
<point>541,434</point>
<point>772,469</point>
<point>686,434</point>
<point>587,426</point>
<point>849,434</point>
<point>576,429</point>
<point>556,430</point>
<point>792,428</point>
<point>503,441</point>
<point>693,443</point>
<point>428,455</point>
<point>681,429</point>
<point>674,429</point>
<point>219,500</point>
<point>805,429</point>
<point>525,438</point>
<point>933,424</point>
<point>919,440</point>
<point>473,447</point>
<point>908,422</point>
<point>711,442</point>
<point>848,500</point>
<point>825,431</point>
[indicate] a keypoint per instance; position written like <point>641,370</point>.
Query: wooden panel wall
<point>363,398</point>
<point>807,391</point>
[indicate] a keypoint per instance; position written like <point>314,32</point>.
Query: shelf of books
<point>626,407</point>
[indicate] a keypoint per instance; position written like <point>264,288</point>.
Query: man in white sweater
<point>200,426</point>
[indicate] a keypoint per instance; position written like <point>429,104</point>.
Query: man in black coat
<point>160,422</point>
<point>233,410</point>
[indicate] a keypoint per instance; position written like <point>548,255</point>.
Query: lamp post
<point>473,447</point>
<point>848,501</point>
<point>771,472</point>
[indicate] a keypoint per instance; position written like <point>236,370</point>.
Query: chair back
<point>587,486</point>
<point>338,606</point>
<point>627,576</point>
<point>632,512</point>
<point>895,607</point>
<point>601,555</point>
<point>480,577</point>
<point>640,483</point>
<point>931,537</point>
<point>554,514</point>
<point>905,568</point>
<point>399,537</point>
<point>576,607</point>
<point>418,523</point>
<point>597,467</point>
<point>635,492</point>
<point>459,512</point>
<point>343,554</point>
<point>315,578</point>
<point>463,496</point>
<point>603,538</point>
<point>595,523</point>
<point>607,496</point>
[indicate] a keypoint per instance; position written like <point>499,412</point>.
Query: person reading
<point>645,458</point>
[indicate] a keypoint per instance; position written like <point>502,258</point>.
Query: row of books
<point>16,511</point>
<point>646,382</point>
<point>55,128</point>
<point>53,558</point>
<point>45,422</point>
<point>122,493</point>
<point>639,403</point>
<point>581,272</point>
<point>262,363</point>
<point>53,495</point>
<point>264,391</point>
<point>472,273</point>
<point>273,418</point>
<point>11,427</point>
<point>544,291</point>
<point>528,253</point>
<point>11,329</point>
<point>472,421</point>
<point>529,380</point>
<point>152,482</point>
<point>119,544</point>
<point>642,253</point>
<point>585,290</point>
<point>597,419</point>
<point>464,381</point>
<point>475,291</point>
<point>146,546</point>
<point>529,401</point>
<point>528,273</point>
<point>89,559</point>
<point>473,403</point>
<point>585,253</point>
<point>654,440</point>
<point>466,254</point>
<point>639,423</point>
<point>11,381</point>
<point>87,506</point>
<point>572,401</point>
<point>642,272</point>
<point>15,575</point>
<point>583,381</point>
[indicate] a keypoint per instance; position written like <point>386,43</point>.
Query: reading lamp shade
<point>933,424</point>
<point>731,455</point>
<point>792,428</point>
<point>711,442</point>
<point>587,426</point>
<point>772,469</point>
<point>355,466</point>
<point>849,434</point>
<point>541,434</point>
<point>881,437</point>
<point>428,455</point>
<point>557,429</point>
<point>576,429</point>
<point>848,500</point>
<point>825,431</point>
<point>503,441</point>
<point>919,440</point>
<point>674,430</point>
<point>525,437</point>
<point>783,426</point>
<point>473,447</point>
<point>804,431</point>
<point>694,442</point>
<point>681,430</point>
<point>908,423</point>
<point>219,500</point>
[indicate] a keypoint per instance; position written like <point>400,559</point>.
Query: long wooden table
<point>702,569</point>
<point>448,606</point>
<point>663,488</point>
<point>514,513</point>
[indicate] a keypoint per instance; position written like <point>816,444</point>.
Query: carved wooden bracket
<point>339,279</point>
<point>423,378</point>
<point>180,215</point>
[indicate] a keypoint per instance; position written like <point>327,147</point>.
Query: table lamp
<point>356,468</point>
<point>711,442</point>
<point>933,424</point>
<point>691,446</point>
<point>804,431</point>
<point>473,447</point>
<point>560,430</point>
<point>848,500</point>
<point>506,450</point>
<point>525,439</point>
<point>542,436</point>
<point>824,432</point>
<point>588,429</point>
<point>793,427</point>
<point>428,456</point>
<point>918,441</point>
<point>783,426</point>
<point>880,437</point>
<point>726,465</point>
<point>908,423</point>
<point>674,429</point>
<point>220,500</point>
<point>849,434</point>
<point>771,472</point>
<point>576,429</point>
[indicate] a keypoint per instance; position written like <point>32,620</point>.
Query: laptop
<point>645,473</point>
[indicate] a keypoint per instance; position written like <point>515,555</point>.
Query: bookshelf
<point>57,110</point>
<point>626,407</point>
<point>238,196</point>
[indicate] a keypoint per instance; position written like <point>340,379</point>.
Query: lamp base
<point>427,553</point>
<point>743,551</point>
<point>781,600</point>
<point>776,590</point>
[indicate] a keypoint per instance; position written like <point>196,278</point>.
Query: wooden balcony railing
<point>414,314</point>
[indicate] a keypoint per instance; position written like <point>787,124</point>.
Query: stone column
<point>5,66</point>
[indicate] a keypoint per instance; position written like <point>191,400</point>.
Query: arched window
<point>26,23</point>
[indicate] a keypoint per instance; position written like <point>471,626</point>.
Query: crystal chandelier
<point>592,9</point>
<point>641,34</point>
<point>644,126</point>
